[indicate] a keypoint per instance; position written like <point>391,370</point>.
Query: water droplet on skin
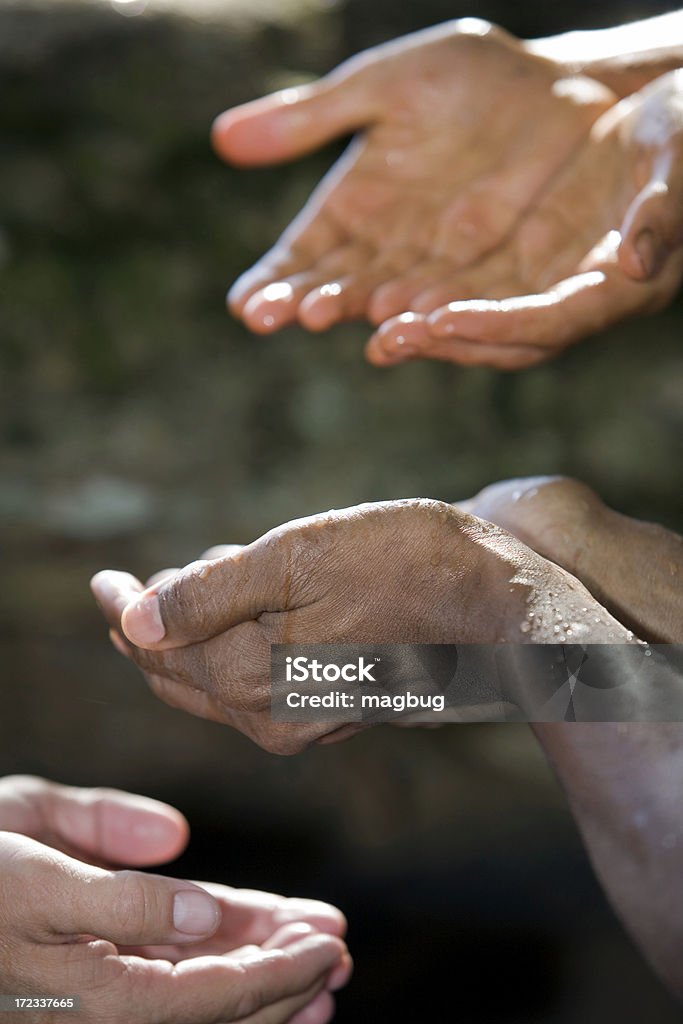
<point>279,291</point>
<point>407,318</point>
<point>556,629</point>
<point>333,288</point>
<point>525,627</point>
<point>648,653</point>
<point>268,321</point>
<point>289,96</point>
<point>400,339</point>
<point>530,615</point>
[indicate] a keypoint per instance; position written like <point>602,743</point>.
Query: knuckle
<point>181,597</point>
<point>137,903</point>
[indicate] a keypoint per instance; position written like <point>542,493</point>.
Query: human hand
<point>114,937</point>
<point>389,572</point>
<point>631,567</point>
<point>461,129</point>
<point>603,242</point>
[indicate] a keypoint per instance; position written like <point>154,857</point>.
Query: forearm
<point>623,785</point>
<point>626,57</point>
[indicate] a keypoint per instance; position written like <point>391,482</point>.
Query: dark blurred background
<point>139,424</point>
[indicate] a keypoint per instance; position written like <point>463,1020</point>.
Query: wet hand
<point>390,572</point>
<point>460,130</point>
<point>604,242</point>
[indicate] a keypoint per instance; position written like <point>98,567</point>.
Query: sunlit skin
<point>72,921</point>
<point>462,130</point>
<point>479,172</point>
<point>385,572</point>
<point>623,780</point>
<point>604,242</point>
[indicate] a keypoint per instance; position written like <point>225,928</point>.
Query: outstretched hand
<point>604,242</point>
<point>143,948</point>
<point>460,130</point>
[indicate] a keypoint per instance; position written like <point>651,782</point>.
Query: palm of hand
<point>564,272</point>
<point>466,129</point>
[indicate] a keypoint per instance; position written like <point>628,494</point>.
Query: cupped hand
<point>460,129</point>
<point>603,242</point>
<point>388,572</point>
<point>142,948</point>
<point>129,945</point>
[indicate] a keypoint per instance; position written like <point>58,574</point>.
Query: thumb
<point>208,598</point>
<point>130,908</point>
<point>62,896</point>
<point>292,122</point>
<point>652,229</point>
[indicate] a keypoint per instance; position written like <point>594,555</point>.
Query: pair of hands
<point>401,571</point>
<point>141,948</point>
<point>493,209</point>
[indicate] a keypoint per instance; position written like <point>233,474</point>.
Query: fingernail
<point>647,251</point>
<point>142,622</point>
<point>195,912</point>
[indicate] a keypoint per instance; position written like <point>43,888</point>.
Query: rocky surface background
<point>139,424</point>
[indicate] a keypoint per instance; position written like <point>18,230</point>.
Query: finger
<point>315,237</point>
<point>293,122</point>
<point>203,989</point>
<point>113,590</point>
<point>208,598</point>
<point>251,919</point>
<point>571,309</point>
<point>348,298</point>
<point>112,826</point>
<point>408,337</point>
<point>312,237</point>
<point>398,339</point>
<point>319,1011</point>
<point>291,1009</point>
<point>252,915</point>
<point>397,296</point>
<point>60,896</point>
<point>288,934</point>
<point>653,227</point>
<point>277,305</point>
